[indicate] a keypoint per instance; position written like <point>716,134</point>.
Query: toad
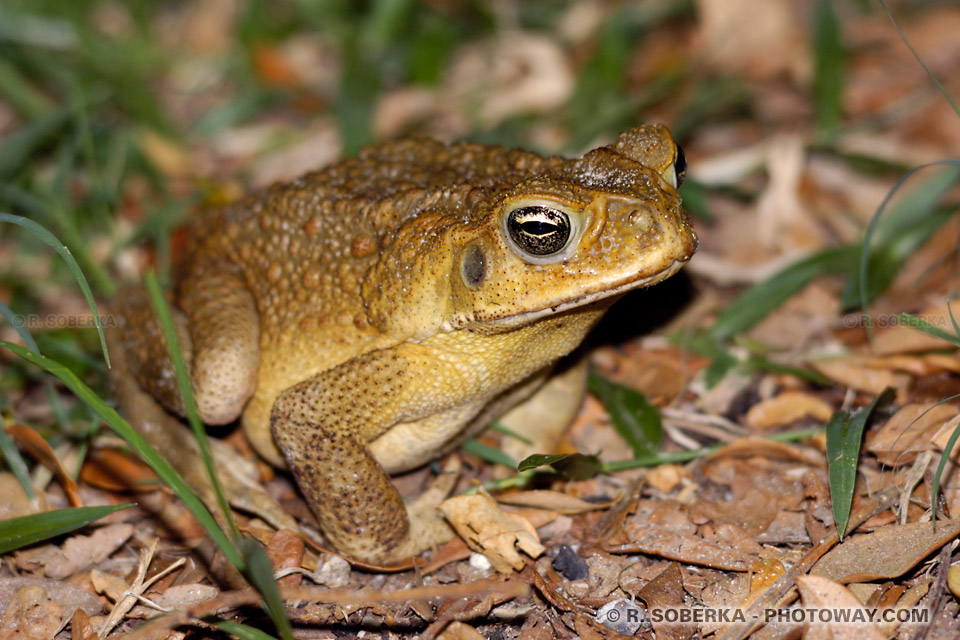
<point>366,318</point>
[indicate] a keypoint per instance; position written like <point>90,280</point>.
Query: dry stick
<point>778,595</point>
<point>355,597</point>
<point>939,587</point>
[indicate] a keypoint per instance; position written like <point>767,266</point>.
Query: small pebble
<point>570,565</point>
<point>479,562</point>
<point>622,616</point>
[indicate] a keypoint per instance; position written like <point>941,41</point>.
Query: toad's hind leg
<point>142,373</point>
<point>218,330</point>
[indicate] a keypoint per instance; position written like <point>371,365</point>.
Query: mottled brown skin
<point>366,318</point>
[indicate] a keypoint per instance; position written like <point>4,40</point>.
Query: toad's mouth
<point>587,299</point>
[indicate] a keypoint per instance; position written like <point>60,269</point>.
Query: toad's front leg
<point>324,424</point>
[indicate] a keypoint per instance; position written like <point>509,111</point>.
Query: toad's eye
<point>680,166</point>
<point>538,230</point>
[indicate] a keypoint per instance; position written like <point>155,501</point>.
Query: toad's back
<point>304,247</point>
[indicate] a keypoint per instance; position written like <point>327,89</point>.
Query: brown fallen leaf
<point>285,550</point>
<point>942,437</point>
<point>666,543</point>
<point>953,580</point>
<point>15,501</point>
<point>822,593</point>
<point>176,597</point>
<point>80,626</point>
<point>666,592</point>
<point>78,552</point>
<point>761,447</point>
<point>787,407</point>
<point>908,432</point>
<point>69,597</point>
<point>108,584</point>
<point>40,450</point>
<point>460,631</point>
<point>888,552</point>
<point>774,44</point>
<point>490,531</point>
<point>116,470</point>
<point>765,571</point>
<point>906,339</point>
<point>555,501</point>
<point>667,477</point>
<point>509,74</point>
<point>31,615</point>
<point>851,371</point>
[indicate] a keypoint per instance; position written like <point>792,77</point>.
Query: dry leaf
<point>762,448</point>
<point>69,597</point>
<point>822,593</point>
<point>285,551</point>
<point>108,584</point>
<point>510,74</point>
<point>555,501</point>
<point>176,597</point>
<point>908,431</point>
<point>942,437</point>
<point>787,407</point>
<point>117,470</point>
<point>77,553</point>
<point>31,615</point>
<point>666,592</point>
<point>853,372</point>
<point>39,449</point>
<point>166,155</point>
<point>460,631</point>
<point>495,534</point>
<point>888,552</point>
<point>667,477</point>
<point>953,580</point>
<point>906,339</point>
<point>15,501</point>
<point>667,543</point>
<point>774,43</point>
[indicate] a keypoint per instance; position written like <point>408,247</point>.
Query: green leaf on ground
<point>844,435</point>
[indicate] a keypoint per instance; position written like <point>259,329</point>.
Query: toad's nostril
<point>641,219</point>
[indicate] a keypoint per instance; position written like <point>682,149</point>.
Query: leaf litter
<point>749,524</point>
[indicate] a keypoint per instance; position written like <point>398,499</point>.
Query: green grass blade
<point>947,450</point>
<point>18,147</point>
<point>829,67</point>
<point>758,301</point>
<point>488,453</point>
<point>953,321</point>
<point>41,232</point>
<point>162,310</point>
<point>929,329</point>
<point>15,461</point>
<point>923,199</point>
<point>260,574</point>
<point>635,419</point>
<point>844,434</point>
<point>20,532</point>
<point>162,468</point>
<point>21,95</point>
<point>499,427</point>
<point>916,55</point>
<point>242,631</point>
<point>16,321</point>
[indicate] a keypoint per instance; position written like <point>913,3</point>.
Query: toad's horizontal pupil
<point>538,228</point>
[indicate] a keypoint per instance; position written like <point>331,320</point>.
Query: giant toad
<point>367,318</point>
